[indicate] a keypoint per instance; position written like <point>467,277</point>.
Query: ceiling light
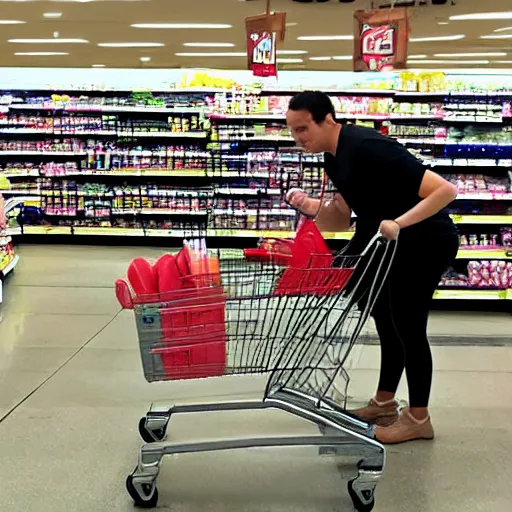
<point>289,61</point>
<point>326,38</point>
<point>506,15</point>
<point>210,45</point>
<point>11,22</point>
<point>47,41</point>
<point>145,59</point>
<point>482,54</point>
<point>421,56</point>
<point>131,45</point>
<point>448,61</point>
<point>211,54</point>
<point>98,65</point>
<point>291,52</point>
<point>343,57</point>
<point>497,36</point>
<point>436,38</point>
<point>320,58</point>
<point>42,54</point>
<point>292,24</point>
<point>443,22</point>
<point>504,29</point>
<point>182,25</point>
<point>502,61</point>
<point>52,15</point>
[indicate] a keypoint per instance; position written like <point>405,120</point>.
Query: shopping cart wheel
<point>148,498</point>
<point>364,501</point>
<point>151,435</point>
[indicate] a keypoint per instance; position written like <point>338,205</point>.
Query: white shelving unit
<point>7,265</point>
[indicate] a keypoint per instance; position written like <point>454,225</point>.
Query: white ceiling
<point>103,21</point>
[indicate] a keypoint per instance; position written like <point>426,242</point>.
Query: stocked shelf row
<point>172,164</point>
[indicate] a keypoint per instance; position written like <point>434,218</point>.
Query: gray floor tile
<point>16,386</point>
<point>120,334</point>
<point>449,358</point>
<point>52,331</point>
<point>61,300</point>
<point>76,266</point>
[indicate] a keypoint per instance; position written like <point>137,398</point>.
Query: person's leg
<point>410,300</point>
<point>383,408</point>
<point>392,357</point>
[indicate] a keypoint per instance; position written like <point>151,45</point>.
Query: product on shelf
<point>85,103</point>
<point>494,274</point>
<point>42,146</point>
<point>480,241</point>
<point>480,184</point>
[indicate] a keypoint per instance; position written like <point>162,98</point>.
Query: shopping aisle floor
<point>72,392</point>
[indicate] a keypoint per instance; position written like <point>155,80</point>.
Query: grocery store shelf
<point>9,266</point>
<point>473,294</point>
<point>254,212</point>
<point>99,133</point>
<point>484,254</point>
<point>41,153</point>
<point>485,196</point>
<point>469,162</point>
<point>113,231</point>
<point>106,108</point>
<point>155,172</point>
<point>482,219</point>
<point>107,231</point>
<point>47,230</point>
<point>269,116</point>
<point>13,231</point>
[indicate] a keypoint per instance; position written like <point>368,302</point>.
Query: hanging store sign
<point>263,33</point>
<point>262,54</point>
<point>381,39</point>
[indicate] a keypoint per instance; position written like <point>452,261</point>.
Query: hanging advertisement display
<point>381,39</point>
<point>262,53</point>
<point>263,33</point>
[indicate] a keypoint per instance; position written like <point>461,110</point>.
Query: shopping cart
<point>297,324</point>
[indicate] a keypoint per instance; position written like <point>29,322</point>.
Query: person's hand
<point>389,229</point>
<point>302,202</point>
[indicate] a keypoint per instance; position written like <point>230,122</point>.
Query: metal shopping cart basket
<point>297,325</point>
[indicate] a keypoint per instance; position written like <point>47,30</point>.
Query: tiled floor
<point>72,392</point>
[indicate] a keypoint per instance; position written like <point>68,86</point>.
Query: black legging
<point>401,313</point>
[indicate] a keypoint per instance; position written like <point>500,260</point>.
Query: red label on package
<point>261,53</point>
<point>378,46</point>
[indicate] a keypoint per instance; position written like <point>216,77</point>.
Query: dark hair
<point>317,103</point>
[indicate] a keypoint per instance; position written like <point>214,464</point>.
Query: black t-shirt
<point>380,180</point>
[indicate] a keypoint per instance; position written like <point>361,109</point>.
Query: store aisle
<point>72,392</point>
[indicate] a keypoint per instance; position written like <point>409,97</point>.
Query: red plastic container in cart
<point>296,322</point>
<point>191,327</point>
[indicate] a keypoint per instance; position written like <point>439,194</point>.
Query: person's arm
<point>331,215</point>
<point>436,194</point>
<point>334,215</point>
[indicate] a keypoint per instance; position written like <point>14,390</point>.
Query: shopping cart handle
<point>377,238</point>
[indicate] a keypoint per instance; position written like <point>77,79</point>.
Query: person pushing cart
<point>389,190</point>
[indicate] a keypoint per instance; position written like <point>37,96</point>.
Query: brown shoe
<point>405,428</point>
<point>380,413</point>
